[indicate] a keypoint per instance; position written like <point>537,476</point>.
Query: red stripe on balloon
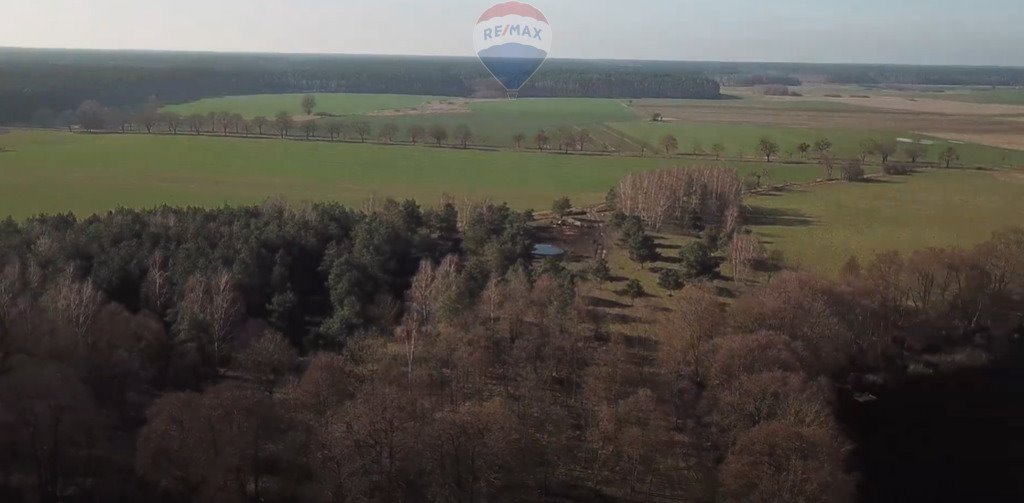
<point>513,8</point>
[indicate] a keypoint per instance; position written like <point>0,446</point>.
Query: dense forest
<point>52,81</point>
<point>49,82</point>
<point>401,353</point>
<point>923,75</point>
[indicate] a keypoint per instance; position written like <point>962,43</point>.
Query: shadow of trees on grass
<point>781,217</point>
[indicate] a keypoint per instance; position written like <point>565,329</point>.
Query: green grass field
<point>50,171</point>
<point>821,227</point>
<point>268,105</point>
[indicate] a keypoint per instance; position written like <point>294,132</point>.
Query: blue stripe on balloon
<point>512,64</point>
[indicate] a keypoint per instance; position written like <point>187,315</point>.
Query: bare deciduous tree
<point>781,462</point>
<point>669,143</point>
<point>429,288</point>
<point>542,140</point>
<point>686,332</point>
<point>768,148</point>
<point>718,149</point>
<point>210,312</point>
<point>733,356</point>
<point>438,133</point>
<point>214,444</point>
<point>362,129</point>
<point>283,122</point>
<point>885,149</point>
<point>660,196</point>
<point>583,138</point>
<point>309,127</point>
<point>91,115</point>
<point>157,288</point>
<point>806,310</point>
<point>308,103</point>
<point>259,122</point>
<point>744,251</point>
<point>225,311</point>
<point>463,135</point>
<point>336,129</point>
<point>416,133</point>
<point>948,155</point>
<point>518,139</point>
<point>148,116</point>
<point>388,132</point>
<point>267,359</point>
<point>915,151</point>
<point>754,399</point>
<point>77,303</point>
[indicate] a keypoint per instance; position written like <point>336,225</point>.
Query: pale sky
<point>979,32</point>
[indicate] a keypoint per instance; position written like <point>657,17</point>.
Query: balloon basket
<point>513,95</point>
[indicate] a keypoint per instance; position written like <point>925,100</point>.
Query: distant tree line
<point>621,84</point>
<point>926,75</point>
<point>885,151</point>
<point>50,82</point>
<point>763,73</point>
<point>759,79</point>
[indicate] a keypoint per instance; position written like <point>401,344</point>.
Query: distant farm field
<point>969,94</point>
<point>57,172</point>
<point>742,140</point>
<point>1000,95</point>
<point>821,227</point>
<point>268,105</point>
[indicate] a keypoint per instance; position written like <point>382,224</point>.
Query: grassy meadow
<point>51,171</point>
<point>268,105</point>
<point>820,227</point>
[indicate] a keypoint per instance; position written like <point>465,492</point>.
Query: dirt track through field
<point>622,137</point>
<point>449,107</point>
<point>1013,141</point>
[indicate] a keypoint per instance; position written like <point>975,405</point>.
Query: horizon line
<point>406,55</point>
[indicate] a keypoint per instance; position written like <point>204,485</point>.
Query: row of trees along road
<point>91,116</point>
<point>821,150</point>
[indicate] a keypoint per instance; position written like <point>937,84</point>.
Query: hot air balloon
<point>512,40</point>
